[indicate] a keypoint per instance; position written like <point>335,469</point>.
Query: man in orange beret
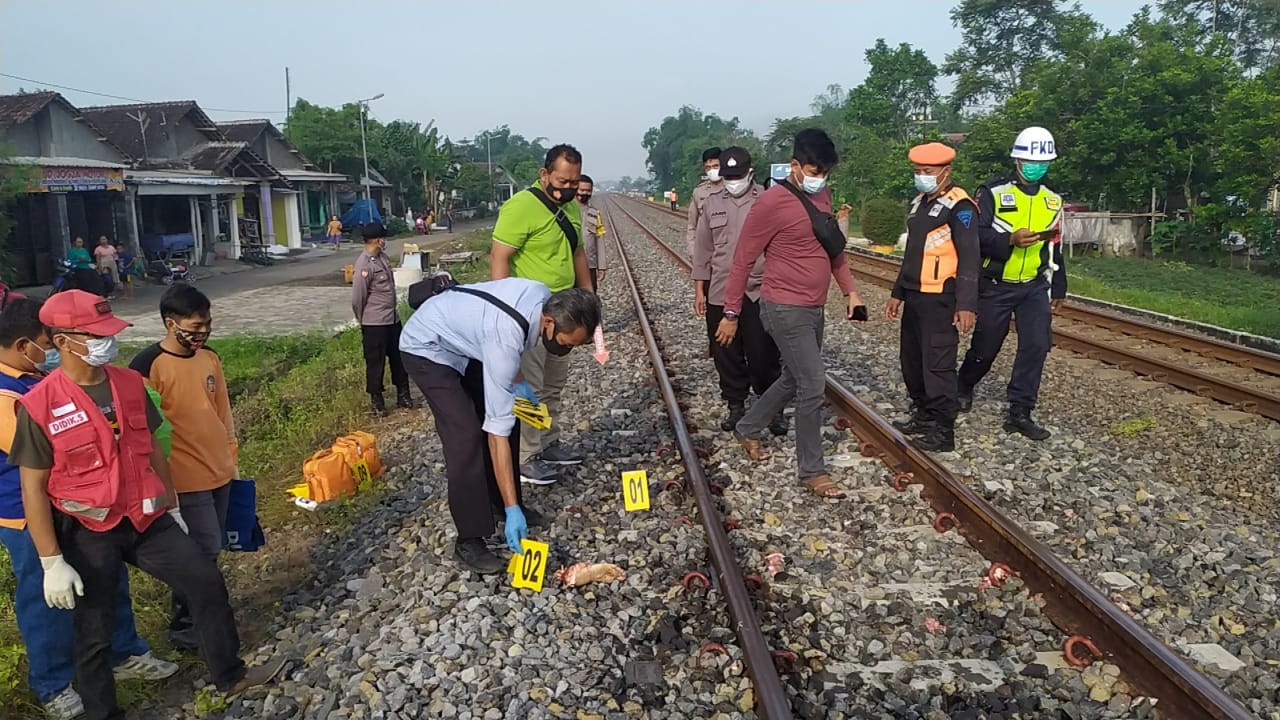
<point>936,294</point>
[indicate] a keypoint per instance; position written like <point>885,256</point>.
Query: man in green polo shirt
<point>538,237</point>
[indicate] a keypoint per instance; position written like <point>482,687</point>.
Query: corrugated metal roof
<point>314,175</point>
<point>243,130</point>
<point>116,123</point>
<point>71,162</point>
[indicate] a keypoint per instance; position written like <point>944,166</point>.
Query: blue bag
<point>244,532</point>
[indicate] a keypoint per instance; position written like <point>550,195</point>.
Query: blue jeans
<point>48,633</point>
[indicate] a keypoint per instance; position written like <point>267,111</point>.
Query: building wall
<point>23,139</point>
<point>279,201</point>
<point>278,154</point>
<point>69,137</point>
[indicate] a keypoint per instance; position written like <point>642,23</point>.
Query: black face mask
<point>584,199</point>
<point>564,195</point>
<point>553,346</point>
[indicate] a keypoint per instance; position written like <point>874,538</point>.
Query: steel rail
<point>1071,603</point>
<point>1244,356</point>
<point>770,697</point>
<point>1201,383</point>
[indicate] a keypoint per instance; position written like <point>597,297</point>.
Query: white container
<point>406,276</point>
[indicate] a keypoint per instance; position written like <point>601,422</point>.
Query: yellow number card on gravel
<point>635,490</point>
<point>361,470</point>
<point>528,568</point>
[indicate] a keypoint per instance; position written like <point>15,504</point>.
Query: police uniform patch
<point>210,384</point>
<point>965,217</point>
<point>364,273</point>
<point>1052,202</point>
<point>935,211</point>
<point>1008,201</point>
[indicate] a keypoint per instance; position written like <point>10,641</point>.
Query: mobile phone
<point>859,313</point>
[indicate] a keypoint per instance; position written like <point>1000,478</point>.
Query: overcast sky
<point>595,74</point>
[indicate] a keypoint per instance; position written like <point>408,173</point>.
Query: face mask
<point>584,199</point>
<point>190,339</point>
<point>553,346</point>
<point>101,351</point>
<point>52,358</point>
<point>1034,171</point>
<point>812,185</point>
<point>927,184</point>
<point>737,187</point>
<point>713,174</point>
<point>564,195</point>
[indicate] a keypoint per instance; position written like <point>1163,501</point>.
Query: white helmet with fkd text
<point>1034,144</point>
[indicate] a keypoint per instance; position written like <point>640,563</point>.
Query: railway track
<point>1095,628</point>
<point>1242,377</point>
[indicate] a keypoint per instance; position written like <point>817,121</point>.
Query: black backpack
<point>427,288</point>
<point>825,226</point>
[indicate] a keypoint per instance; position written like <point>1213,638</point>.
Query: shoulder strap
<point>566,225</point>
<point>808,204</point>
<point>515,315</point>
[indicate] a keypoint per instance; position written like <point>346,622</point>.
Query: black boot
<point>779,425</point>
<point>736,411</point>
<point>404,399</point>
<point>917,424</point>
<point>964,399</point>
<point>379,406</point>
<point>477,557</point>
<point>1018,420</point>
<point>940,437</point>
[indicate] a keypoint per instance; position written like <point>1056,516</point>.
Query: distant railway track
<point>1237,375</point>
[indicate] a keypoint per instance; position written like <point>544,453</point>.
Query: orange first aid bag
<point>329,475</point>
<point>359,447</point>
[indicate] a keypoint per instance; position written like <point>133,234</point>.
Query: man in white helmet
<point>1023,275</point>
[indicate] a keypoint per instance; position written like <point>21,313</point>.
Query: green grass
<point>1133,426</point>
<point>1227,298</point>
<point>291,397</point>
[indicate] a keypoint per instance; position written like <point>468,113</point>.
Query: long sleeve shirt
<point>373,290</point>
<point>593,232</point>
<point>719,227</point>
<point>797,270</point>
<point>696,201</point>
<point>454,328</point>
<point>995,243</point>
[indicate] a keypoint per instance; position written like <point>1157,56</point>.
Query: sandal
<point>752,447</point>
<point>824,487</point>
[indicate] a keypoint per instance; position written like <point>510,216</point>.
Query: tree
<point>899,87</point>
<point>675,146</point>
<point>1252,27</point>
<point>328,136</point>
<point>1002,39</point>
<point>14,181</point>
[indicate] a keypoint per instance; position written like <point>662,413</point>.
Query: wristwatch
<point>731,316</point>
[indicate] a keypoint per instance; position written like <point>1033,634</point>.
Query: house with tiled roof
<point>75,181</point>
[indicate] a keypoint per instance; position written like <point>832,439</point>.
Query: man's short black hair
<point>568,152</point>
<point>711,153</point>
<point>574,308</point>
<point>586,179</point>
<point>181,300</point>
<point>373,231</point>
<point>814,147</point>
<point>20,319</point>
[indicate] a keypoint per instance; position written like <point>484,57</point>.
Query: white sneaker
<point>65,705</point>
<point>144,667</point>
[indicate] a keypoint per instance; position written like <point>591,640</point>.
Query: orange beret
<point>933,153</point>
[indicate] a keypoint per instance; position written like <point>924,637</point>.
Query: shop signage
<point>70,179</point>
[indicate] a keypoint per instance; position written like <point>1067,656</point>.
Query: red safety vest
<point>95,479</point>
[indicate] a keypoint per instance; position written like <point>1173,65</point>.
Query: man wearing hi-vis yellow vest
<point>1023,275</point>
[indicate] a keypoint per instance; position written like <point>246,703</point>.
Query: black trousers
<point>166,553</point>
<point>457,404</point>
<point>594,280</point>
<point>927,351</point>
<point>1028,303</point>
<point>382,345</point>
<point>751,361</point>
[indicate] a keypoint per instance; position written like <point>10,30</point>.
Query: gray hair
<point>572,309</point>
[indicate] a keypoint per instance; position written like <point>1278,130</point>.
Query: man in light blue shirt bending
<point>462,347</point>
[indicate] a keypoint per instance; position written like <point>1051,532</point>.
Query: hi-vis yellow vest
<point>1016,209</point>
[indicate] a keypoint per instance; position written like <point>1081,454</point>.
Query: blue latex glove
<point>524,390</point>
<point>517,529</point>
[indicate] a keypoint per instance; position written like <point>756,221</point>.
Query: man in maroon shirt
<point>797,273</point>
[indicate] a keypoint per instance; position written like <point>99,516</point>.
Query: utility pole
<point>288,105</point>
<point>493,191</point>
<point>364,150</point>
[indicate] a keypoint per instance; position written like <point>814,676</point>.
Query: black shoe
<point>476,556</point>
<point>964,399</point>
<point>378,405</point>
<point>557,454</point>
<point>532,518</point>
<point>184,640</point>
<point>917,424</point>
<point>779,425</point>
<point>405,400</point>
<point>1018,420</point>
<point>939,438</point>
<point>736,411</point>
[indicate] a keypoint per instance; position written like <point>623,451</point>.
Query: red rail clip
<point>842,423</point>
<point>732,524</point>
<point>753,580</point>
<point>716,488</point>
<point>1070,651</point>
<point>783,660</point>
<point>998,573</point>
<point>711,648</point>
<point>900,481</point>
<point>695,575</point>
<point>681,520</point>
<point>672,485</point>
<point>944,521</point>
<point>869,450</point>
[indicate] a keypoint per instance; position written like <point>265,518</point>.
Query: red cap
<point>83,311</point>
<point>933,153</point>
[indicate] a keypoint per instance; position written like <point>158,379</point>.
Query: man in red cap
<point>96,491</point>
<point>936,294</point>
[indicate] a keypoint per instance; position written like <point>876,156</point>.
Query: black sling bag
<point>561,219</point>
<point>825,226</point>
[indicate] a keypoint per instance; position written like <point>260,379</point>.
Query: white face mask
<point>101,351</point>
<point>812,185</point>
<point>737,187</point>
<point>713,174</point>
<point>927,184</point>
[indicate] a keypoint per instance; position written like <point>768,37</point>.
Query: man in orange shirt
<point>193,396</point>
